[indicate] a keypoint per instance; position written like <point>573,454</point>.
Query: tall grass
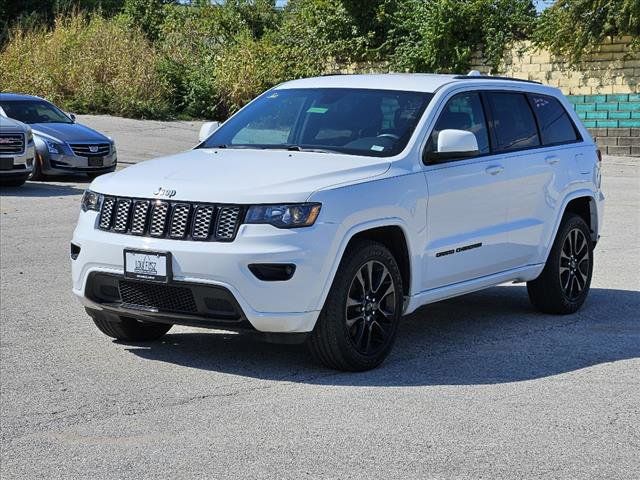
<point>86,64</point>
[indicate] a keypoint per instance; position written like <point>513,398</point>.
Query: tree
<point>576,27</point>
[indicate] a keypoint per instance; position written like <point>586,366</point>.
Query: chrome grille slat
<point>168,219</point>
<point>11,143</point>
<point>179,219</point>
<point>158,223</point>
<point>139,217</point>
<point>123,207</point>
<point>227,223</point>
<point>106,214</point>
<point>84,149</point>
<point>202,221</point>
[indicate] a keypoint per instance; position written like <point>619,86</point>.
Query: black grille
<point>164,298</point>
<point>175,220</point>
<point>90,149</point>
<point>11,143</point>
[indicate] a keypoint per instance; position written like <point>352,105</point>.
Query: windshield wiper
<point>298,148</point>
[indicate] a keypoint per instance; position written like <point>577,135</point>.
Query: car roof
<point>17,96</point>
<point>416,82</point>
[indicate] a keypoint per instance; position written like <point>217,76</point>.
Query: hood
<point>240,176</point>
<point>68,132</point>
<point>9,124</point>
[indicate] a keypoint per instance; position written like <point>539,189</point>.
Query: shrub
<point>575,27</point>
<point>86,64</point>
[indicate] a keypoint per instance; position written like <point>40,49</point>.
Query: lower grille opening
<point>159,297</point>
<point>201,301</point>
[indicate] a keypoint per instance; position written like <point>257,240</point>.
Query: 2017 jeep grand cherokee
<point>329,207</point>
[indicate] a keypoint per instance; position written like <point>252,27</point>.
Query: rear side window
<point>513,123</point>
<point>555,124</point>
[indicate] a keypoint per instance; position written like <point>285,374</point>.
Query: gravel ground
<point>477,387</point>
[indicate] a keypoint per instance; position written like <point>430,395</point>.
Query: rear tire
<point>129,329</point>
<point>564,284</point>
<point>359,321</point>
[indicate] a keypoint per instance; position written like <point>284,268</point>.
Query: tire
<point>129,329</point>
<point>12,182</point>
<point>563,285</point>
<point>37,169</point>
<point>355,330</point>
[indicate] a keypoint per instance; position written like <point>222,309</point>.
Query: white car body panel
<point>514,214</point>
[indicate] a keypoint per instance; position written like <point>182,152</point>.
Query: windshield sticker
<point>317,110</point>
<point>377,148</point>
<point>273,95</point>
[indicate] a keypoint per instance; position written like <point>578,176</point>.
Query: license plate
<point>152,266</point>
<point>6,163</point>
<point>96,161</point>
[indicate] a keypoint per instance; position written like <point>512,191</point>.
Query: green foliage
<point>86,64</point>
<point>148,15</point>
<point>442,35</point>
<point>576,27</point>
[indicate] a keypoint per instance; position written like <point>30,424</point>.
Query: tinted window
<point>555,124</point>
<point>33,111</point>
<point>513,122</point>
<point>346,120</point>
<point>462,112</point>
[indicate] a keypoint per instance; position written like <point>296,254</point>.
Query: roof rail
<point>476,76</point>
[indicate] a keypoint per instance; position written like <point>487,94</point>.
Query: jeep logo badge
<point>164,192</point>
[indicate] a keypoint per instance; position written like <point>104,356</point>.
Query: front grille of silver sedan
<point>90,149</point>
<point>11,143</point>
<point>174,220</point>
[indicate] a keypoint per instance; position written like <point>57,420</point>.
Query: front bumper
<point>64,164</point>
<point>22,163</point>
<point>268,306</point>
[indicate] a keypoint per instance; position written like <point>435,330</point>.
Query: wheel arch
<point>391,232</point>
<point>582,203</point>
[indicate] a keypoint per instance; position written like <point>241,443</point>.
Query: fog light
<point>273,272</point>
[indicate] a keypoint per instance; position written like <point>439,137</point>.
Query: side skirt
<point>521,274</point>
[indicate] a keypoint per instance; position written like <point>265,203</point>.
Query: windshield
<point>346,120</point>
<point>33,111</point>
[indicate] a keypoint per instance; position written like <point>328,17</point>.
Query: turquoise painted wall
<point>620,110</point>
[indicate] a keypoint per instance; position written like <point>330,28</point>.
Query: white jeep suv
<point>329,207</point>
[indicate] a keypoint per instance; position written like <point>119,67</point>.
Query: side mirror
<point>207,129</point>
<point>454,144</point>
<point>72,117</point>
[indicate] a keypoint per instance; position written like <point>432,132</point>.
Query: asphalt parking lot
<point>480,386</point>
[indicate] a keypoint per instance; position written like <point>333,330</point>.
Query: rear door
<point>528,173</point>
<point>467,205</point>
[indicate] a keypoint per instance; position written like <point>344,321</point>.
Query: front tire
<point>564,284</point>
<point>129,329</point>
<point>359,321</point>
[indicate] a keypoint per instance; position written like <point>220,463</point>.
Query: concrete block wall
<point>604,88</point>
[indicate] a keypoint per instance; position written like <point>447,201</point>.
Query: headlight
<point>54,147</point>
<point>91,201</point>
<point>284,216</point>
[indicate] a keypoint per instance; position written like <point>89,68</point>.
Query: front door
<point>467,206</point>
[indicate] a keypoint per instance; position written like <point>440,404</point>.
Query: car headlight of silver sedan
<point>54,147</point>
<point>91,201</point>
<point>284,216</point>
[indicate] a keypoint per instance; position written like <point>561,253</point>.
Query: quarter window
<point>463,112</point>
<point>513,123</point>
<point>555,125</point>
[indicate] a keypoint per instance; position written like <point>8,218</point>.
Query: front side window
<point>345,120</point>
<point>33,111</point>
<point>555,125</point>
<point>462,112</point>
<point>513,122</point>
